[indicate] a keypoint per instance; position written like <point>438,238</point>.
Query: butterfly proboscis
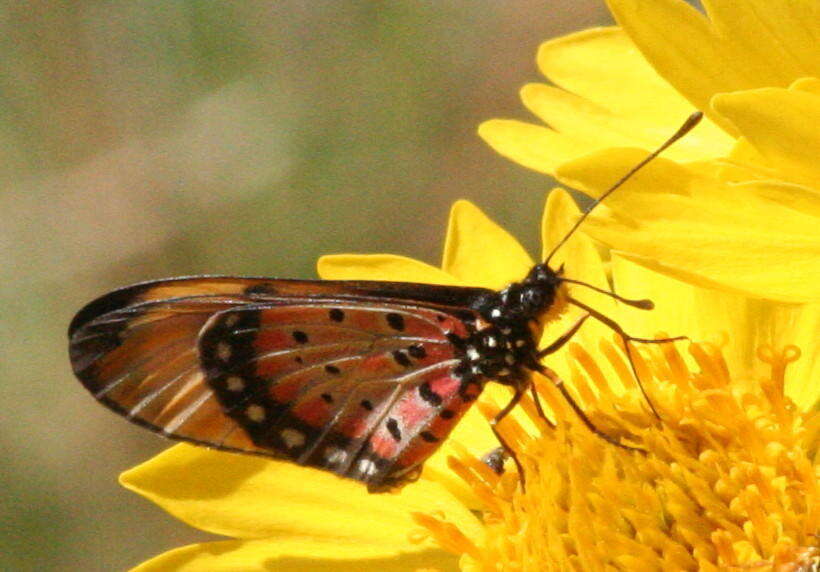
<point>364,379</point>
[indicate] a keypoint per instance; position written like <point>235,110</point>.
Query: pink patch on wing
<point>383,444</point>
<point>446,386</point>
<point>413,410</point>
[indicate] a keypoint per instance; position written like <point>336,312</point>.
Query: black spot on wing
<point>428,436</point>
<point>395,321</point>
<point>427,394</point>
<point>469,389</point>
<point>393,428</point>
<point>417,351</point>
<point>456,340</point>
<point>401,358</point>
<point>261,289</point>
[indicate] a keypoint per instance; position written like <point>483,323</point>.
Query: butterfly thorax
<point>505,344</point>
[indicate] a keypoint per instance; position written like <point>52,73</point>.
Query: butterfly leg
<point>519,392</point>
<point>614,326</point>
<point>561,341</point>
<point>550,349</point>
<point>559,383</point>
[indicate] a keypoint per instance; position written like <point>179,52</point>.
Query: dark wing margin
<point>259,288</point>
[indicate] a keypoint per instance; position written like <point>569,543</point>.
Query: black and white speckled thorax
<point>503,345</point>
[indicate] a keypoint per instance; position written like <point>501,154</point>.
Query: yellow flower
<point>736,204</point>
<point>728,477</point>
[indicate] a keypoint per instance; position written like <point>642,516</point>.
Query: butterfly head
<point>543,293</point>
<point>538,297</point>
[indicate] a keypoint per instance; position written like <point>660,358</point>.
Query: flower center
<point>727,480</point>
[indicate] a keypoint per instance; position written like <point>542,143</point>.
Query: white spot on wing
<point>335,455</point>
<point>255,413</point>
<point>367,467</point>
<point>235,383</point>
<point>223,351</point>
<point>292,438</point>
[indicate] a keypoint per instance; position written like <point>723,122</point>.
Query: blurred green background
<point>145,139</point>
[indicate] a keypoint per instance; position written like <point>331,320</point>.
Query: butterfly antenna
<point>687,126</point>
<point>642,304</point>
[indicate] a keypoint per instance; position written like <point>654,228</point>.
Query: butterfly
<point>364,379</point>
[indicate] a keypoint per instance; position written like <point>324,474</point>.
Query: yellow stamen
<point>728,481</point>
<point>447,535</point>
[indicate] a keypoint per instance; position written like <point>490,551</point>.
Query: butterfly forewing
<point>341,376</point>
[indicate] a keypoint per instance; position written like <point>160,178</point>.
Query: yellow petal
<point>251,497</point>
<point>610,96</point>
<point>479,252</point>
<point>807,84</point>
<point>535,147</point>
<point>781,124</point>
<point>759,238</point>
<point>578,255</point>
<point>625,102</point>
<point>684,309</point>
<point>749,44</point>
<point>603,66</point>
<point>381,267</point>
<point>745,324</point>
<point>295,555</point>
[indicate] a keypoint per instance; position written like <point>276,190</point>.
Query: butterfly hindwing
<point>345,376</point>
<point>364,390</point>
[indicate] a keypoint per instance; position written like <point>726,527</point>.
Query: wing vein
<point>156,392</point>
<point>133,369</point>
<point>183,416</point>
